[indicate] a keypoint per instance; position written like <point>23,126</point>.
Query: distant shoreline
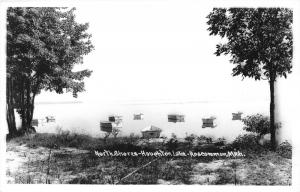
<point>189,102</point>
<point>152,102</point>
<point>59,102</point>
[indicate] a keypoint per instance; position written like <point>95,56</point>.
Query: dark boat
<point>208,122</point>
<point>139,116</point>
<point>115,118</point>
<point>237,116</point>
<point>106,126</point>
<point>174,118</point>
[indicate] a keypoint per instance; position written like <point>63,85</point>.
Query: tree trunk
<point>272,115</point>
<point>11,123</point>
<point>27,107</point>
<point>22,110</point>
<point>10,113</point>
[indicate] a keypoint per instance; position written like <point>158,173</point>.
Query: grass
<point>58,140</point>
<point>84,167</point>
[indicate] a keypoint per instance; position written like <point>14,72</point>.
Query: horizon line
<point>150,102</point>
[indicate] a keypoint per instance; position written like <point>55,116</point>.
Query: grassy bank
<point>71,158</point>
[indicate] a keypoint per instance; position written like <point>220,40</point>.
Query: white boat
<point>139,116</point>
<point>151,132</point>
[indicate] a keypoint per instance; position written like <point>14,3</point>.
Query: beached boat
<point>139,116</point>
<point>208,122</point>
<point>35,123</point>
<point>175,118</point>
<point>151,132</point>
<point>237,116</point>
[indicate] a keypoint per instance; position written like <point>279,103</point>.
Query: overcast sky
<point>158,51</point>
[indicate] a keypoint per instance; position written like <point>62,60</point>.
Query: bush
<point>285,150</point>
<point>190,138</point>
<point>203,139</point>
<point>172,144</point>
<point>247,142</point>
<point>178,171</point>
<point>173,136</point>
<point>225,176</point>
<point>220,141</point>
<point>257,123</point>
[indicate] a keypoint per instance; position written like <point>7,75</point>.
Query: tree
<point>260,43</point>
<point>43,45</point>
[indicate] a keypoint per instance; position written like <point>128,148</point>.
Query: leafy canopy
<point>259,40</point>
<point>43,45</point>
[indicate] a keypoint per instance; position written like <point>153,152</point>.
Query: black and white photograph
<point>177,93</point>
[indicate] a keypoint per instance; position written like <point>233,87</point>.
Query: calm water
<point>85,117</point>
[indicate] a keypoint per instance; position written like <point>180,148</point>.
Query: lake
<point>85,117</point>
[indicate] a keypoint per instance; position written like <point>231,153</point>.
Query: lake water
<point>85,117</point>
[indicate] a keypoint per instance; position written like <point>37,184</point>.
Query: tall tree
<point>43,45</point>
<point>260,43</point>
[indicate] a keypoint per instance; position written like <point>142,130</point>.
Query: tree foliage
<point>258,40</point>
<point>43,45</point>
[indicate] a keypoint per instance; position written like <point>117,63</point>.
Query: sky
<point>156,51</point>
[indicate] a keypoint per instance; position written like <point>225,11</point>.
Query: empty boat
<point>175,118</point>
<point>50,119</point>
<point>35,123</point>
<point>237,116</point>
<point>139,116</point>
<point>106,126</point>
<point>151,132</point>
<point>208,122</point>
<point>115,118</point>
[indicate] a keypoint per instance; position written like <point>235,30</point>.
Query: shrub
<point>225,176</point>
<point>178,171</point>
<point>172,144</point>
<point>285,150</point>
<point>258,123</point>
<point>190,138</point>
<point>220,141</point>
<point>133,138</point>
<point>173,136</point>
<point>132,135</point>
<point>204,139</point>
<point>247,142</point>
